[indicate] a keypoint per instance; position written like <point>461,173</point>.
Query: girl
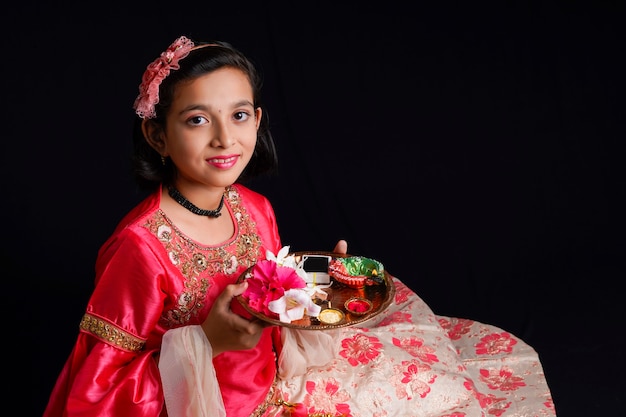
<point>173,260</point>
<point>162,335</point>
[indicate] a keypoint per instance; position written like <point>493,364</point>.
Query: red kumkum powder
<point>359,306</point>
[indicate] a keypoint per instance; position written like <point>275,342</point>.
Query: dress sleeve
<point>112,370</point>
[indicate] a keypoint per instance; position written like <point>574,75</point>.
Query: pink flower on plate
<point>268,282</point>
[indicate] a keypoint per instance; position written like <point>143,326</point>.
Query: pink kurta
<point>151,278</point>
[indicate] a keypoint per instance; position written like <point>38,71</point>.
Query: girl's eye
<point>197,121</point>
<point>241,116</point>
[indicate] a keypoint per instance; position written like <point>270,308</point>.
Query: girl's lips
<point>223,162</point>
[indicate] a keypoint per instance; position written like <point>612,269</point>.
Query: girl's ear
<point>258,112</point>
<point>152,132</point>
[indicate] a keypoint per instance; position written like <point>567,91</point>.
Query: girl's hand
<point>227,330</point>
<point>341,247</point>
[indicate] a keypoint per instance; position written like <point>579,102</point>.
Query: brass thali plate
<point>380,295</point>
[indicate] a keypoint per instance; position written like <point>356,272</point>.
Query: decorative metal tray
<point>380,296</point>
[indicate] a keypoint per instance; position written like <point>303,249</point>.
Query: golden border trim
<point>111,334</point>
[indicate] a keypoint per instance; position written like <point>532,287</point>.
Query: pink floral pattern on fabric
<point>327,396</point>
<point>398,317</point>
<point>403,293</point>
<point>494,405</point>
<point>550,405</point>
<point>496,343</point>
<point>360,349</point>
<point>415,347</point>
<point>501,379</point>
<point>456,327</point>
<point>412,378</point>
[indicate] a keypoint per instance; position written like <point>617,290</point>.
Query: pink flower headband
<point>157,71</point>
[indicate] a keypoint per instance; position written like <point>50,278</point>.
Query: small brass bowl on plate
<point>358,306</point>
<point>331,316</point>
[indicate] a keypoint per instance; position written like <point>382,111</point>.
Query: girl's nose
<point>222,137</point>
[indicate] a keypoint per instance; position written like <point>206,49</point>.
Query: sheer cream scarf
<point>189,383</point>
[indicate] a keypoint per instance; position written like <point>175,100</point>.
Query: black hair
<point>148,169</point>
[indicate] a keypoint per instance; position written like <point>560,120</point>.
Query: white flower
<point>317,291</point>
<point>293,305</point>
<point>284,259</point>
<point>281,257</point>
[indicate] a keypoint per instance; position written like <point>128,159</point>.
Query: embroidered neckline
<point>201,245</point>
<point>195,243</point>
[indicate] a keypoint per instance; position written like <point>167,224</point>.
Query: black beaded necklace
<point>180,199</point>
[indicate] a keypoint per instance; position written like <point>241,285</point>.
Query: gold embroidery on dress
<point>199,263</point>
<point>287,408</point>
<point>111,334</point>
<point>261,408</point>
<point>273,400</point>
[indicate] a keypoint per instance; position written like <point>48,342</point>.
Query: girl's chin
<point>227,179</point>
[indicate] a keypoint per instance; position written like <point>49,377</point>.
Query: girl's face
<point>212,128</point>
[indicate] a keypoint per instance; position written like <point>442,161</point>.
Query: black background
<point>476,149</point>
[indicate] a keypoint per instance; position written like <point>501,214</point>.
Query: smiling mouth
<point>222,160</point>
